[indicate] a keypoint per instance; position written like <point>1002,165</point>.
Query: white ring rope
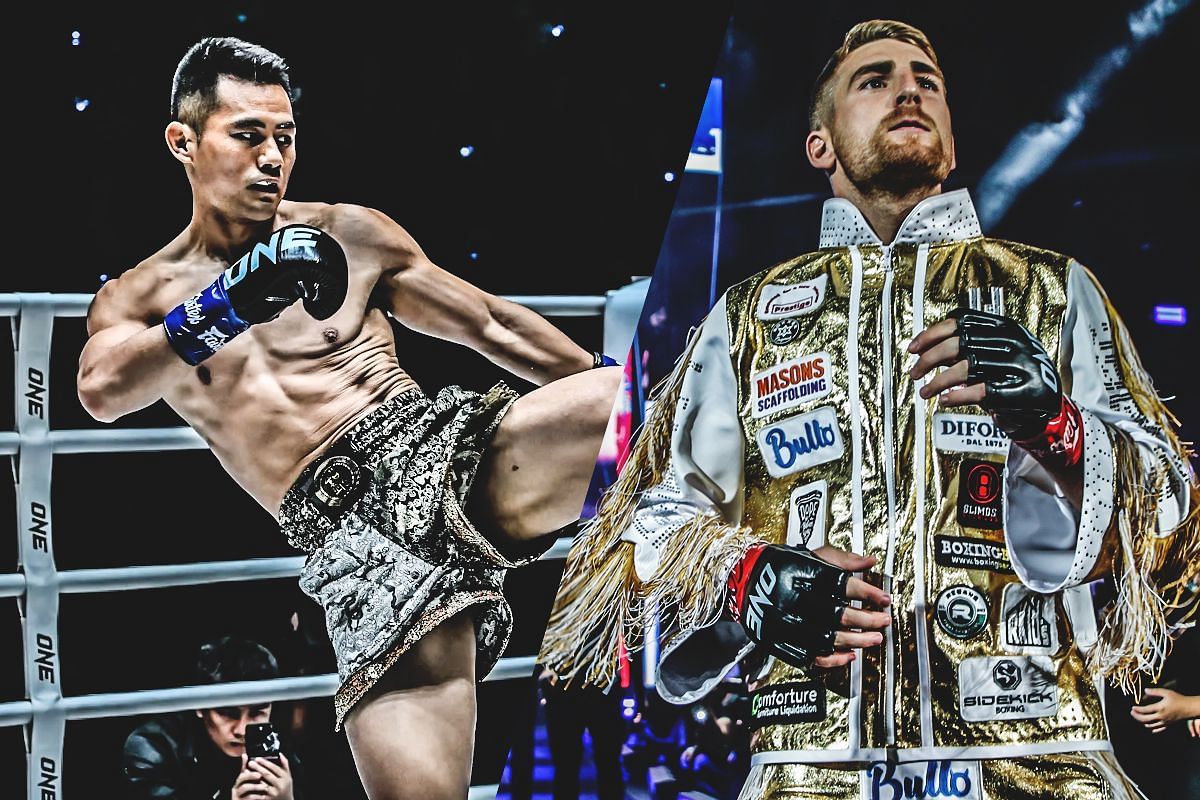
<point>39,584</point>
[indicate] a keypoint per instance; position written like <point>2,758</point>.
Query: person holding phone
<point>231,753</point>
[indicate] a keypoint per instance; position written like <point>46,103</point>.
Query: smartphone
<point>262,741</point>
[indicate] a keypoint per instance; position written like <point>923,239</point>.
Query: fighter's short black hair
<point>234,658</point>
<point>194,88</point>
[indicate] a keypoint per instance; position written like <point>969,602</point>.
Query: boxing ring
<point>38,584</point>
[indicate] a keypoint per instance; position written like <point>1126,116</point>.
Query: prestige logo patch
<point>968,433</point>
<point>965,552</point>
<point>791,383</point>
<point>801,442</point>
<point>1020,687</point>
<point>980,494</point>
<point>962,611</point>
<point>920,779</point>
<point>780,300</point>
<point>807,509</point>
<point>787,704</point>
<point>1030,622</point>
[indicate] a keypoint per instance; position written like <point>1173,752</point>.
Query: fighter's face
<point>890,126</point>
<point>227,726</point>
<point>245,153</point>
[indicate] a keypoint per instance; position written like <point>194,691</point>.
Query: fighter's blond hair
<point>821,109</point>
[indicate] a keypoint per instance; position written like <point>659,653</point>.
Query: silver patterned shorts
<point>391,552</point>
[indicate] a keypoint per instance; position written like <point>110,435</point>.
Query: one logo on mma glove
<point>759,599</point>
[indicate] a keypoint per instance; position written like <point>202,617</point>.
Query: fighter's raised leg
<point>537,470</point>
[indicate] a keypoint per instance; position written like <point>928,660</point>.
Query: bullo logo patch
<point>800,442</point>
<point>781,300</point>
<point>980,494</point>
<point>790,384</point>
<point>787,704</point>
<point>916,780</point>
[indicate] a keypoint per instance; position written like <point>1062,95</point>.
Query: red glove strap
<point>740,577</point>
<point>1062,441</point>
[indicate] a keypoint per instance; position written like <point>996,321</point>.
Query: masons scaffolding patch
<point>790,384</point>
<point>980,494</point>
<point>787,704</point>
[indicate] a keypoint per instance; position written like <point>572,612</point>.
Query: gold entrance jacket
<point>792,418</point>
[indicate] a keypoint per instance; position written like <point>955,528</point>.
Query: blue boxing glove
<point>298,262</point>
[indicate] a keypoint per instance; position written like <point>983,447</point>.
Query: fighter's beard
<point>885,168</point>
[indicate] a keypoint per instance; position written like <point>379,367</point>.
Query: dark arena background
<point>539,148</point>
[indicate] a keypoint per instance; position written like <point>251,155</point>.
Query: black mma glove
<point>1024,392</point>
<point>297,262</point>
<point>788,600</point>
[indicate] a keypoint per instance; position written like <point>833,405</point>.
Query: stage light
<point>466,150</point>
<point>474,256</point>
<point>1170,315</point>
<point>669,177</point>
<point>81,103</point>
<point>103,278</point>
<point>242,18</point>
<point>75,38</point>
<point>557,31</point>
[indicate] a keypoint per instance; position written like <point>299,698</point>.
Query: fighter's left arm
<point>428,299</point>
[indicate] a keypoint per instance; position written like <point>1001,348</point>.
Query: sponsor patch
<point>782,300</point>
<point>968,433</point>
<point>783,331</point>
<point>800,442</point>
<point>921,779</point>
<point>962,611</point>
<point>807,510</point>
<point>1029,622</point>
<point>980,494</point>
<point>1017,687</point>
<point>790,384</point>
<point>787,704</point>
<point>965,552</point>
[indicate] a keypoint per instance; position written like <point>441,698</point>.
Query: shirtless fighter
<point>410,507</point>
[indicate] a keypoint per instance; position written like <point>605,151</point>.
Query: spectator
<point>201,754</point>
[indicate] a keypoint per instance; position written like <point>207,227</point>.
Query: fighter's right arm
<point>127,362</point>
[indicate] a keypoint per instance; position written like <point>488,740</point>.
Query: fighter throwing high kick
<point>410,507</point>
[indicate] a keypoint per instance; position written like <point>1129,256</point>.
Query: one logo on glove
<point>759,599</point>
<point>807,510</point>
<point>801,442</point>
<point>780,300</point>
<point>281,240</point>
<point>962,611</point>
<point>980,494</point>
<point>790,384</point>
